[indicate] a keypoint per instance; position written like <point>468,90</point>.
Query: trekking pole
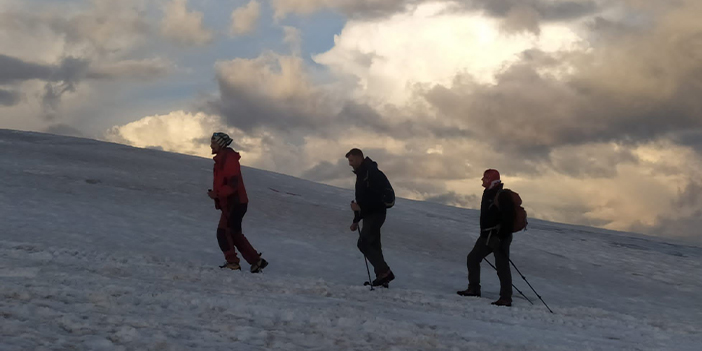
<point>532,288</point>
<point>370,282</point>
<point>519,291</point>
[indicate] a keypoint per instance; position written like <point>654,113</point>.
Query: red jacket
<point>228,183</point>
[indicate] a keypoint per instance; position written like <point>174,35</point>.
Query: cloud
<point>686,221</point>
<point>605,94</point>
<point>391,58</point>
<point>60,78</point>
<point>591,160</point>
<point>13,69</point>
<point>9,97</point>
<point>326,171</point>
<point>293,37</point>
<point>49,51</point>
<point>276,93</point>
<point>132,69</point>
<point>454,199</point>
<point>372,9</point>
<point>271,90</point>
<point>64,76</point>
<point>178,131</point>
<point>183,27</point>
<point>105,29</point>
<point>245,18</point>
<point>522,18</point>
<point>353,8</point>
<point>548,10</point>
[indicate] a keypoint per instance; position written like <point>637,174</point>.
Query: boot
<point>259,266</point>
<point>231,265</point>
<point>503,302</point>
<point>384,279</point>
<point>471,291</point>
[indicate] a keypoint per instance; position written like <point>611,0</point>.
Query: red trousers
<point>230,236</point>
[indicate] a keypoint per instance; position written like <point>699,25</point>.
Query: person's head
<point>219,142</point>
<point>489,178</point>
<point>355,157</point>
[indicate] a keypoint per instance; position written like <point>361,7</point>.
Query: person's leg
<point>238,239</point>
<point>503,269</point>
<point>224,239</point>
<point>370,245</point>
<point>479,252</point>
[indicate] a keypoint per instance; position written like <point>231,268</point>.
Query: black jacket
<point>492,215</point>
<point>370,184</point>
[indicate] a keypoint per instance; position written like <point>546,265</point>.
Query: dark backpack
<point>388,193</point>
<point>520,215</point>
<point>389,196</point>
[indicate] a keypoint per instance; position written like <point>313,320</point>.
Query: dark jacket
<point>500,214</point>
<point>370,184</point>
<point>228,184</point>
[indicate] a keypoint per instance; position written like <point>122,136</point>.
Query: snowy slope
<point>108,247</point>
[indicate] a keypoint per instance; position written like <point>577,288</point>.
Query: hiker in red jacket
<point>229,195</point>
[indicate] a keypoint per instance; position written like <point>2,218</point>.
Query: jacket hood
<point>228,152</point>
<point>367,164</point>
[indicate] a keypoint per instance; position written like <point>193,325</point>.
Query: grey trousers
<point>479,252</point>
<point>369,242</point>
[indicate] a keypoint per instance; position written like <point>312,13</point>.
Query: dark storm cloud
<point>9,97</point>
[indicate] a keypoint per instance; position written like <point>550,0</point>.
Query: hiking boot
<point>503,302</point>
<point>384,279</point>
<point>259,266</point>
<point>231,265</point>
<point>469,292</point>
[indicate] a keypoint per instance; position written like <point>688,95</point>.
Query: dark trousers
<point>231,237</point>
<point>369,242</point>
<point>479,252</point>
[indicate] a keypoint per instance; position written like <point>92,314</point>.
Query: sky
<point>590,109</point>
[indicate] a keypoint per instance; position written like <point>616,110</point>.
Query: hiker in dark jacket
<point>496,222</point>
<point>229,195</point>
<point>369,207</point>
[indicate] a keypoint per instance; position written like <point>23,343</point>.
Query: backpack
<point>388,193</point>
<point>389,196</point>
<point>520,215</point>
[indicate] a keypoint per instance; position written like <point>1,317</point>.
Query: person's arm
<point>357,217</point>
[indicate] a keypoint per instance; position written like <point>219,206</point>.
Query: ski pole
<point>370,282</point>
<point>532,288</point>
<point>519,291</point>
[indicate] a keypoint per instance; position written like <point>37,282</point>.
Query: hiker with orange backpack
<point>500,216</point>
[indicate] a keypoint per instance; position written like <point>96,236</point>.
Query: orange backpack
<point>520,215</point>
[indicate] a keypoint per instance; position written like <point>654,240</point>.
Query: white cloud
<point>184,27</point>
<point>245,18</point>
<point>178,131</point>
<point>430,45</point>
